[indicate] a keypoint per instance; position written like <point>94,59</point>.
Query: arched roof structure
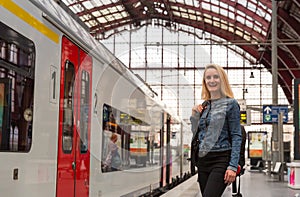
<point>245,23</point>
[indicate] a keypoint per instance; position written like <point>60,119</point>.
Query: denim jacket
<point>220,129</point>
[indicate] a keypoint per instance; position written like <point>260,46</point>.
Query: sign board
<point>270,113</point>
<point>256,143</point>
<point>243,119</point>
<point>242,103</point>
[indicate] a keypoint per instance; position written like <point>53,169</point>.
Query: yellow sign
<point>243,119</point>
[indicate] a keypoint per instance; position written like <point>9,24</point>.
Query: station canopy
<point>243,23</point>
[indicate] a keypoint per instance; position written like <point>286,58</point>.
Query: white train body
<point>58,89</point>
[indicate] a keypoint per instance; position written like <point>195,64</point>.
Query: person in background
<point>113,159</point>
<point>219,133</point>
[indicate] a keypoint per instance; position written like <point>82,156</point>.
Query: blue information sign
<point>270,113</point>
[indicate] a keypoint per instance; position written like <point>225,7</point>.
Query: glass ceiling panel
<point>192,11</point>
<point>176,13</point>
<point>106,2</point>
<point>206,6</point>
<point>101,19</point>
<point>223,5</point>
<point>224,12</point>
<point>231,16</point>
<point>209,21</point>
<point>104,11</point>
<point>251,7</point>
<point>88,5</point>
<point>85,17</point>
<point>118,16</point>
<point>180,1</point>
<point>185,15</point>
<point>215,9</point>
<point>189,2</point>
<point>231,8</point>
<point>174,7</point>
<point>96,14</point>
<point>93,23</point>
<point>182,9</point>
<point>96,2</point>
<point>193,17</point>
<point>75,9</point>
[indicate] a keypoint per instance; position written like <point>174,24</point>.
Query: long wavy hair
<point>225,87</point>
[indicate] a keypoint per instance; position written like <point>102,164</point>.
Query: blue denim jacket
<point>220,129</point>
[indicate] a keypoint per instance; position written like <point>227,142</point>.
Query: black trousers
<point>211,171</point>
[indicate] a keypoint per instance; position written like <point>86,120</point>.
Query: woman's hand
<point>230,176</point>
<point>197,108</point>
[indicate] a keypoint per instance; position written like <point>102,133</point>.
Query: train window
<point>16,90</point>
<point>111,139</point>
<point>84,111</point>
<point>68,113</point>
<point>133,142</point>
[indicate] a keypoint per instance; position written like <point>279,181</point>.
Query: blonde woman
<point>219,133</point>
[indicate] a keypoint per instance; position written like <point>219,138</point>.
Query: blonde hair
<point>225,87</point>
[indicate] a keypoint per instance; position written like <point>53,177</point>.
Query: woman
<point>219,133</point>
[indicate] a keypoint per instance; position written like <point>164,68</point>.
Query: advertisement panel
<point>255,143</point>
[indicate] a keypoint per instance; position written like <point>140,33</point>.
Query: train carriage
<point>62,95</point>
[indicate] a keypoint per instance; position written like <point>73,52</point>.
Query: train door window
<point>68,112</point>
<point>84,111</point>
<point>16,90</point>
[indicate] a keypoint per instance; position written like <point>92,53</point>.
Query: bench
<point>276,169</point>
<point>259,166</point>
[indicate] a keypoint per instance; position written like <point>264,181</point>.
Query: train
<point>63,95</point>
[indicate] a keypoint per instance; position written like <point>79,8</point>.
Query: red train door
<point>73,161</point>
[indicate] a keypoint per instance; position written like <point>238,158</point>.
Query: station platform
<point>253,184</point>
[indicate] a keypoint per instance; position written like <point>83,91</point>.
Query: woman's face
<point>212,81</point>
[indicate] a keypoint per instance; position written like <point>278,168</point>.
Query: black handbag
<point>194,153</point>
<point>195,145</point>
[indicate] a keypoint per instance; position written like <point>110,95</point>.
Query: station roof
<point>244,23</point>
